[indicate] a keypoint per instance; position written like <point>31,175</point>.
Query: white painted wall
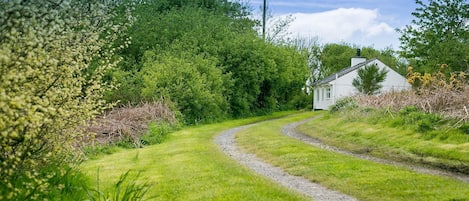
<point>321,100</point>
<point>342,86</point>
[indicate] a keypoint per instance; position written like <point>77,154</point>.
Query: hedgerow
<point>53,55</point>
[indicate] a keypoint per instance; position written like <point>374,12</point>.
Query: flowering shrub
<point>53,55</point>
<point>439,80</point>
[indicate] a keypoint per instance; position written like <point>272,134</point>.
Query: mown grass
<point>388,137</point>
<point>190,166</point>
<point>362,179</point>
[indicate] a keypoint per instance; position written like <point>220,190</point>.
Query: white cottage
<point>338,85</point>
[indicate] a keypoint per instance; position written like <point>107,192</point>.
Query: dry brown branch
<point>450,103</point>
<point>129,122</point>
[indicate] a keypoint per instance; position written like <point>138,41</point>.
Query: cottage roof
<point>342,72</point>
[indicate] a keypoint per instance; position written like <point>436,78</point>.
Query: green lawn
<point>360,178</point>
<point>189,166</point>
<point>443,148</point>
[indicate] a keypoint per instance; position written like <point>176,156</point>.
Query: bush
<point>417,119</point>
<point>53,55</point>
<point>193,82</point>
<point>157,132</point>
<point>343,104</point>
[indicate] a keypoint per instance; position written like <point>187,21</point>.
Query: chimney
<point>357,59</point>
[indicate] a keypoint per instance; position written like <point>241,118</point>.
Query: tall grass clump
<point>125,189</point>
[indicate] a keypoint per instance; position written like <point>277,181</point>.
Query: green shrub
<point>72,186</point>
<point>343,104</point>
<point>408,109</point>
<point>157,132</point>
<point>193,82</point>
<point>53,55</point>
<point>420,121</point>
<point>464,128</point>
<point>300,101</point>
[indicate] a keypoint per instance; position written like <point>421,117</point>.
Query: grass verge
<point>362,179</point>
<point>377,135</point>
<point>190,166</point>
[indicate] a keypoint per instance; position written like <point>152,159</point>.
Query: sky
<point>361,22</point>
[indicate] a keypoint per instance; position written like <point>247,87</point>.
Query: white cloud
<point>353,25</point>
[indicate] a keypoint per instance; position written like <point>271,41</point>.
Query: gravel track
<point>225,140</point>
<point>227,143</point>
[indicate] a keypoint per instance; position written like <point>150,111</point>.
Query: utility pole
<point>264,18</point>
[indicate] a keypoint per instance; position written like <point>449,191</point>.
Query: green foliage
<point>93,152</point>
<point>266,77</point>
<point>420,121</point>
<point>343,104</point>
<point>192,82</point>
<point>73,185</point>
<point>128,91</point>
<point>127,188</point>
<point>157,133</point>
<point>160,23</point>
<point>335,57</point>
<point>438,35</point>
<point>209,61</point>
<point>53,55</point>
<point>464,128</point>
<point>369,79</point>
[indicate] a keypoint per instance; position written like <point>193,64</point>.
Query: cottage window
<point>328,93</point>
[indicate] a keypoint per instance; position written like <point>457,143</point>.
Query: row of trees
<point>206,59</point>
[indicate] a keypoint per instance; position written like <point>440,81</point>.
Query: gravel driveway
<point>317,192</point>
<point>226,142</point>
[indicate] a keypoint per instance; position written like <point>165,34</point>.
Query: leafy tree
<point>53,55</point>
<point>369,79</point>
<point>438,35</point>
<point>312,49</point>
<point>335,57</point>
<point>192,82</point>
<point>202,25</point>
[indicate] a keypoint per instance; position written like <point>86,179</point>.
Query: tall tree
<point>335,57</point>
<point>438,35</point>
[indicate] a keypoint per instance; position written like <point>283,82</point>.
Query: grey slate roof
<point>342,72</point>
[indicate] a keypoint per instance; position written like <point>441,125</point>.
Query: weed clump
<point>344,104</point>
